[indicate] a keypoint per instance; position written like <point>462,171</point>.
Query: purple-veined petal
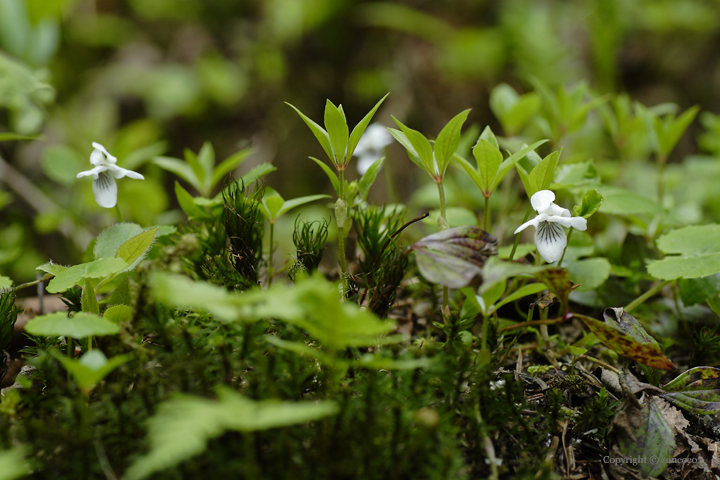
<point>105,190</point>
<point>550,240</point>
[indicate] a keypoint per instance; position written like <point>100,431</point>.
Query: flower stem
<point>641,299</point>
<point>517,237</point>
<point>271,268</point>
<point>568,241</point>
<point>35,282</point>
<point>486,219</point>
<point>119,213</point>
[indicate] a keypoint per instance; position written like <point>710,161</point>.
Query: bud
<point>340,213</point>
<point>442,223</point>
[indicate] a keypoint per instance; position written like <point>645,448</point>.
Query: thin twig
<point>532,323</point>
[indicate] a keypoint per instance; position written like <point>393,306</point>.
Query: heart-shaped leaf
<point>454,256</point>
<point>81,325</point>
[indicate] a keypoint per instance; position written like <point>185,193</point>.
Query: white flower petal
<point>534,222</point>
<point>97,146</point>
<point>94,171</point>
<point>97,158</point>
<point>550,240</point>
<point>555,209</point>
<point>579,223</point>
<point>375,139</point>
<point>119,172</point>
<point>365,161</point>
<point>542,200</point>
<point>105,190</point>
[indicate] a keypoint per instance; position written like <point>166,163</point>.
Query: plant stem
<point>35,282</point>
<point>641,299</point>
<point>517,237</point>
<point>271,268</point>
<point>661,161</point>
<point>568,242</point>
<point>119,213</point>
<point>341,229</point>
<point>486,219</point>
<point>441,193</point>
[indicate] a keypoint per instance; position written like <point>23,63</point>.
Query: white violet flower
<point>550,237</point>
<point>104,174</point>
<point>371,146</point>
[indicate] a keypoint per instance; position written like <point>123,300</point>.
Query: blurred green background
<point>149,78</point>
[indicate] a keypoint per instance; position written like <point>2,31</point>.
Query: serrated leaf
<point>135,249</point>
<point>81,325</point>
<point>111,238</point>
<point>624,344</point>
<point>448,140</point>
<point>360,129</point>
<point>589,273</point>
<point>184,424</point>
<point>618,201</point>
<point>71,276</point>
<point>698,247</point>
<point>51,267</point>
<point>454,256</point>
<point>320,133</point>
<point>697,390</point>
<point>337,129</point>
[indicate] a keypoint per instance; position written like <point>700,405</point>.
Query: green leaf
<point>187,203</point>
<point>321,135</point>
<point>296,202</point>
<point>135,249</point>
<point>257,172</point>
<point>521,292</point>
<point>5,281</point>
<point>91,368</point>
<point>271,207</point>
<point>644,433</point>
<point>542,175</point>
<point>589,273</point>
<point>12,462</point>
<point>454,256</point>
<point>179,168</point>
<point>121,294</point>
<point>182,292</point>
<point>9,136</point>
<point>670,132</point>
<point>360,129</point>
<point>330,174</point>
<point>337,130</point>
<point>448,140</point>
<point>405,142</point>
<point>696,390</point>
<point>577,350</point>
<point>496,271</point>
<point>88,298</point>
<point>118,314</point>
<point>81,325</point>
<point>206,160</point>
<point>647,353</point>
<point>111,238</point>
<point>197,169</point>
<point>183,425</point>
<point>488,160</point>
<point>75,275</point>
<point>698,249</point>
<point>421,147</point>
<point>488,135</point>
<point>368,178</point>
<point>592,199</point>
<point>699,290</point>
<point>618,201</point>
<point>229,164</point>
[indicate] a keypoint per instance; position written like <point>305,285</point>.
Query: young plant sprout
<point>104,174</point>
<point>550,238</point>
<point>372,146</point>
